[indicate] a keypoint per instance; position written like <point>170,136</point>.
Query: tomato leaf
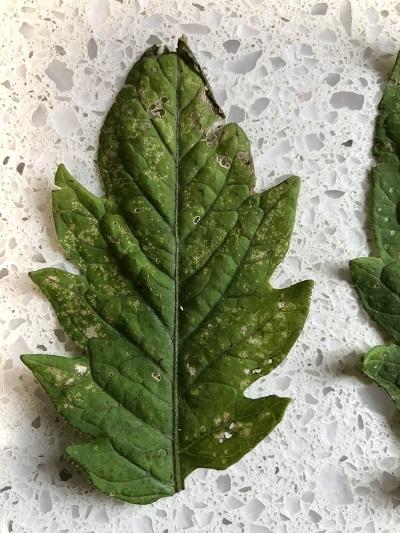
<point>377,279</point>
<point>172,307</point>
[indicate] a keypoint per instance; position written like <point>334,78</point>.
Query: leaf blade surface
<point>172,308</point>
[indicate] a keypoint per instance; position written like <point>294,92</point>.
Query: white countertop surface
<point>304,83</point>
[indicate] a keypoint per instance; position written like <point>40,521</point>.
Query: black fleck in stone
<point>59,333</point>
<point>20,168</point>
<point>60,50</point>
<point>36,423</point>
<point>348,143</point>
<point>7,487</point>
<point>65,475</point>
<point>6,160</point>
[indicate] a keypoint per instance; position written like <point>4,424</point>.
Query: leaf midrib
<point>175,399</point>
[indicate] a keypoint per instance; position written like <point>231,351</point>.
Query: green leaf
<point>382,364</point>
<point>378,286</point>
<point>172,308</point>
<point>377,279</point>
<point>386,174</point>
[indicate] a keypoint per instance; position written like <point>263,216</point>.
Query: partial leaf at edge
<point>382,364</point>
<point>386,173</point>
<point>378,286</point>
<point>377,279</point>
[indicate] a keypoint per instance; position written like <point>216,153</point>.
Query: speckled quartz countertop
<point>303,78</point>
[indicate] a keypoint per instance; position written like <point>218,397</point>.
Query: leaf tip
<point>310,283</point>
<point>151,51</point>
<point>34,275</point>
<point>29,360</point>
<point>355,265</point>
<point>182,41</point>
<point>286,401</point>
<point>293,180</point>
<point>61,175</point>
<point>290,185</point>
<point>24,358</point>
<point>293,184</point>
<point>186,54</point>
<point>41,277</point>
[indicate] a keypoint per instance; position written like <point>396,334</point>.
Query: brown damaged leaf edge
<point>172,308</point>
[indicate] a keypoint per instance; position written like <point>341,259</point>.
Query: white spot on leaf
<point>81,369</point>
<point>90,332</point>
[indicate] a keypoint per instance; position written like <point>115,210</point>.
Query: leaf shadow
<point>393,493</point>
<point>381,63</point>
<point>351,366</point>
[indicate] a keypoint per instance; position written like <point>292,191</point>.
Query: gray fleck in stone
<point>39,116</point>
<point>231,45</point>
<point>26,30</point>
<point>236,114</point>
<point>347,99</point>
<point>62,76</point>
<point>319,9</point>
<point>92,48</point>
<point>223,483</point>
<point>244,64</point>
